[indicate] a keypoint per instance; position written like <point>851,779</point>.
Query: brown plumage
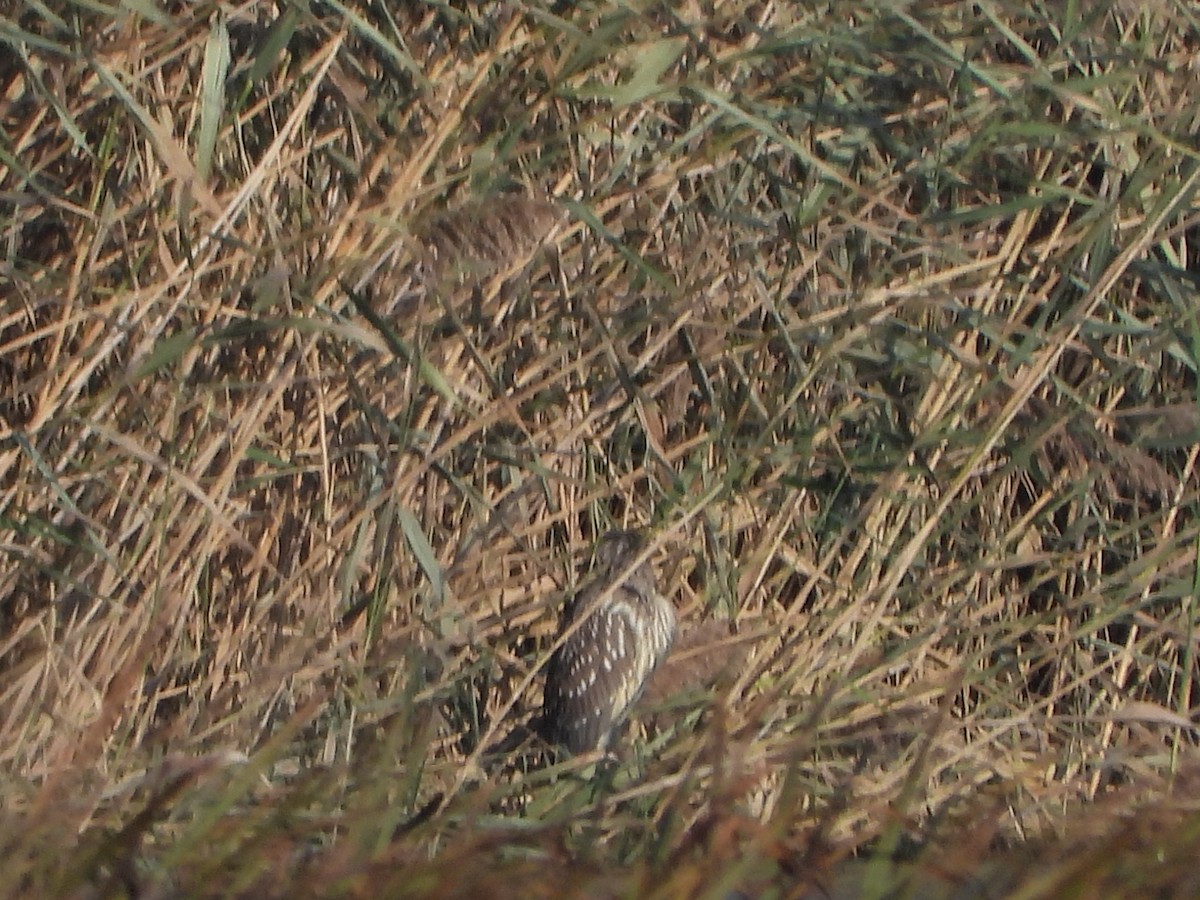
<point>597,675</point>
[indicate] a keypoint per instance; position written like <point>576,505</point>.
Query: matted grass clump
<point>332,335</point>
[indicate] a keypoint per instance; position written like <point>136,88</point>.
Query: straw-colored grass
<point>332,335</point>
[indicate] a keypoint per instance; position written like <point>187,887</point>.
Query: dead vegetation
<point>332,335</point>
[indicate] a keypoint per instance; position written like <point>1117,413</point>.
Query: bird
<point>617,632</point>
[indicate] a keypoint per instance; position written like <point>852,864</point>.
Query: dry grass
<point>331,336</point>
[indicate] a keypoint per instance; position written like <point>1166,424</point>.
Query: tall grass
<point>333,334</point>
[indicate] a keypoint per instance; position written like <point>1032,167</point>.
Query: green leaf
<point>423,551</point>
<point>646,80</point>
<point>212,94</point>
<point>165,353</point>
<point>268,53</point>
<point>394,50</point>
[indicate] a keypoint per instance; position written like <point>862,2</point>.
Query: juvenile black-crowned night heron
<point>621,633</point>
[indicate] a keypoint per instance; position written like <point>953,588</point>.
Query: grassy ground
<point>332,335</point>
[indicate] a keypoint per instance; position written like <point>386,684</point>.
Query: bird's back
<point>621,633</point>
